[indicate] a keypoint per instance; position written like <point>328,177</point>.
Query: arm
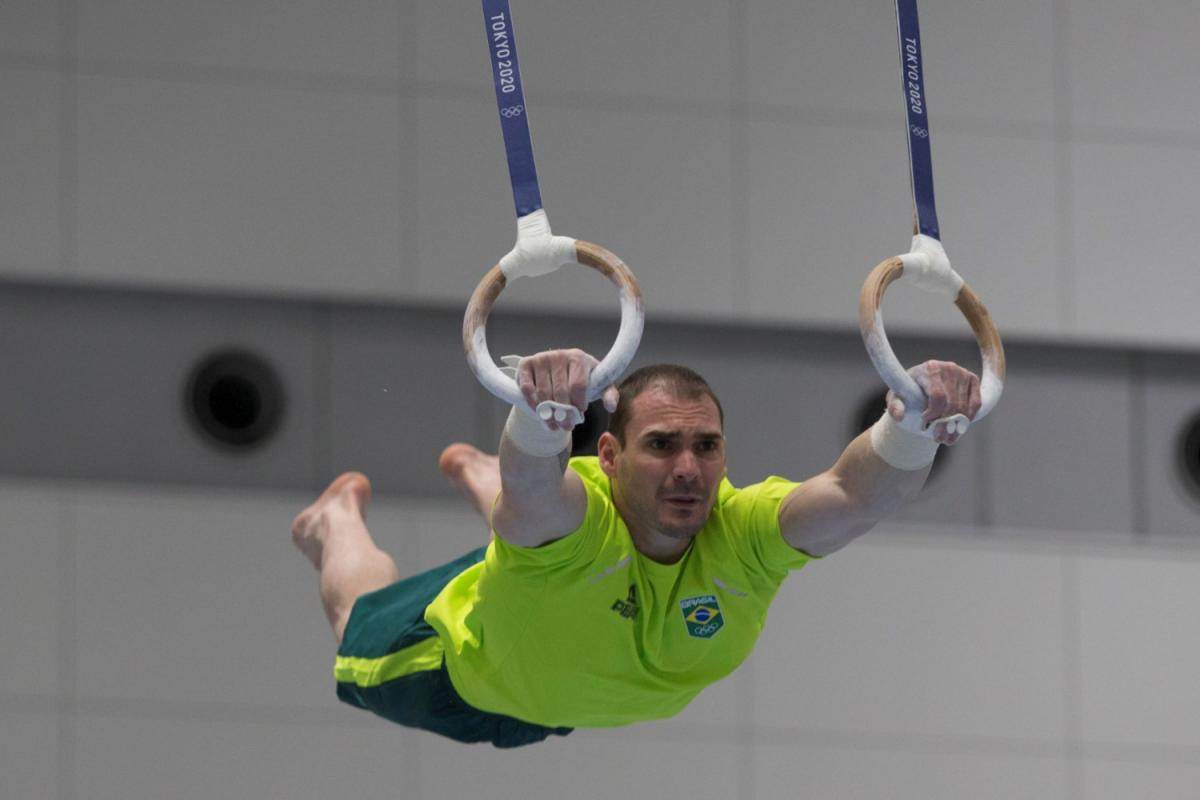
<point>540,499</point>
<point>824,514</point>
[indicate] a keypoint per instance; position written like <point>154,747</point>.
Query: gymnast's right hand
<point>561,376</point>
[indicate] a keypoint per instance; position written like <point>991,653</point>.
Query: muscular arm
<point>540,498</point>
<point>824,514</point>
<point>827,512</point>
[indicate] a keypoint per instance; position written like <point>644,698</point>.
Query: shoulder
<point>589,471</point>
<point>749,518</point>
<point>751,502</point>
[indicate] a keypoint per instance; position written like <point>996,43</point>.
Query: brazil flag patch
<point>702,615</point>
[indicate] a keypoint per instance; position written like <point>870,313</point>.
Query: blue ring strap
<point>912,76</point>
<point>510,102</point>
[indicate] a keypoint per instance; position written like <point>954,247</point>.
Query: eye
<point>658,444</point>
<point>708,446</point>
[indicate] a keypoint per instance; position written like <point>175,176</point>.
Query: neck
<point>653,543</point>
<point>648,540</point>
<point>658,546</point>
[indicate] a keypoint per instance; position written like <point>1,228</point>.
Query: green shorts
<point>392,663</point>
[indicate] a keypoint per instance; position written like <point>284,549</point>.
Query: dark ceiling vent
<point>235,399</point>
<point>1187,452</point>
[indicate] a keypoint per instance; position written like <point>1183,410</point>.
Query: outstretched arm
<point>830,510</point>
<point>540,499</point>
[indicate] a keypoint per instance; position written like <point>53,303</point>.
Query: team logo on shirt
<point>627,608</point>
<point>702,616</point>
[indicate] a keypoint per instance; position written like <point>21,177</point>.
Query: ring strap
<point>920,162</point>
<point>510,103</point>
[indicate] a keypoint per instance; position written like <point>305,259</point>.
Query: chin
<point>676,531</point>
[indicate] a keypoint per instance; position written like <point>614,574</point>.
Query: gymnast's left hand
<point>949,389</point>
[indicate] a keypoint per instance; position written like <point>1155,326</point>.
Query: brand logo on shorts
<point>702,616</point>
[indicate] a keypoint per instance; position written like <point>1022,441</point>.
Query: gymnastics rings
<point>538,252</point>
<point>918,267</point>
<point>926,264</point>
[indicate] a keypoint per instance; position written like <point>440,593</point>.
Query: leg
<point>475,473</point>
<point>332,532</point>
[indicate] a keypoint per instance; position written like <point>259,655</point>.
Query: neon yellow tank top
<point>587,632</point>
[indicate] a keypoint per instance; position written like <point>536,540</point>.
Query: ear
<point>607,448</point>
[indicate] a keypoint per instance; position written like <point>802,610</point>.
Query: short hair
<point>676,379</point>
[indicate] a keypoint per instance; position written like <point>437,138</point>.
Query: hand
<point>561,376</point>
<point>949,389</point>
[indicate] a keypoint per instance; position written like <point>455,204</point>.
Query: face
<point>665,478</point>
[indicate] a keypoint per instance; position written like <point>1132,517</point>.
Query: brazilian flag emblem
<point>702,616</point>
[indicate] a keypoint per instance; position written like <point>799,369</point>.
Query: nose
<point>686,467</point>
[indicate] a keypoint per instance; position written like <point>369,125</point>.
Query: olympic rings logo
<point>512,111</point>
<point>918,131</point>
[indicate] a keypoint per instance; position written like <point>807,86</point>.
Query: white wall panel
<point>29,756</point>
<point>625,48</point>
<point>1135,242</point>
<point>826,205</point>
<point>30,27</point>
<point>783,771</point>
<point>986,60</point>
<point>1060,443</point>
<point>239,188</point>
<point>980,60</point>
<point>195,598</point>
<point>1138,643</point>
<point>581,765</point>
<point>1172,402</point>
<point>652,189</point>
<point>358,38</point>
<point>1120,780</point>
<point>121,758</point>
<point>1133,64</point>
<point>30,241</point>
<point>916,639</point>
<point>835,56</point>
<point>31,522</point>
<point>997,211</point>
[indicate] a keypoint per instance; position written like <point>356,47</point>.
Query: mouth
<point>683,501</point>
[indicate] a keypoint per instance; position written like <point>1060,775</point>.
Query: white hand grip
<point>870,323</point>
<point>629,335</point>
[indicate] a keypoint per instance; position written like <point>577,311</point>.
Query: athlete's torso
<point>585,631</point>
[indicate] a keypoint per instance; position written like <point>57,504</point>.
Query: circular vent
<point>235,399</point>
<point>1188,456</point>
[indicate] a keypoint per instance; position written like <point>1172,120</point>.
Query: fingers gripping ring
<point>629,335</point>
<point>870,323</point>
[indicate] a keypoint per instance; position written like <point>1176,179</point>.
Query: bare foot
<point>474,472</point>
<point>349,493</point>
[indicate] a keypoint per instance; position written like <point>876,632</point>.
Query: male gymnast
<point>616,586</point>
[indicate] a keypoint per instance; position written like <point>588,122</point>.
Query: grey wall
<point>1024,629</point>
<point>324,183</point>
<point>746,158</point>
<point>168,643</point>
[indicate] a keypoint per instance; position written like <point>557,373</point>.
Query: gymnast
<point>616,586</point>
